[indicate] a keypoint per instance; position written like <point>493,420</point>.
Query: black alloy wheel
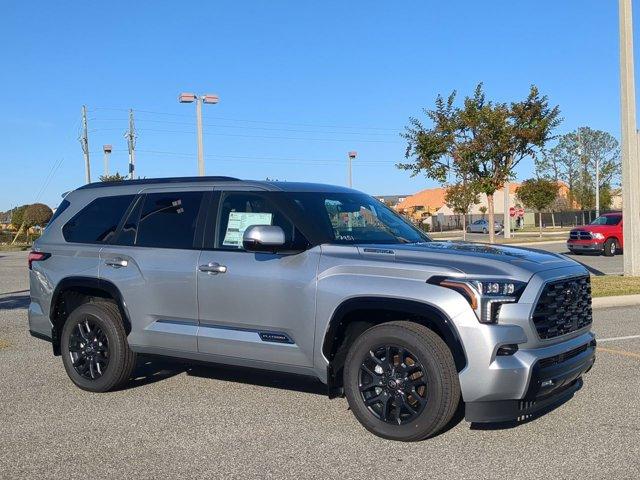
<point>400,380</point>
<point>393,384</point>
<point>95,350</point>
<point>89,349</point>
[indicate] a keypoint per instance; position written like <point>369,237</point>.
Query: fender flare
<point>90,286</point>
<point>436,319</point>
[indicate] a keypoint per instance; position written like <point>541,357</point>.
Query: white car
<point>482,226</point>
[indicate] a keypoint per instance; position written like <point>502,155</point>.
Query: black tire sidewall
<point>430,417</point>
<point>607,248</point>
<point>104,319</point>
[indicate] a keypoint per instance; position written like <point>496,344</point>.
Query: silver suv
<point>315,280</point>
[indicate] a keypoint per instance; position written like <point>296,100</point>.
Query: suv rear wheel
<point>401,382</point>
<point>95,351</point>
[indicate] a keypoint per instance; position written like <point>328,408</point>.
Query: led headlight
<point>484,296</point>
<point>597,235</point>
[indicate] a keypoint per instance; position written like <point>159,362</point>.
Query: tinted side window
<point>240,210</point>
<point>61,208</point>
<point>98,221</point>
<point>168,220</point>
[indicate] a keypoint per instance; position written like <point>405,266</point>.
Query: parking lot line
<point>613,339</point>
<point>620,352</point>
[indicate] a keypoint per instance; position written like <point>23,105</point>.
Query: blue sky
<point>300,83</point>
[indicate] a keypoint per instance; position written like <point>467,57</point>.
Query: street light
<point>352,156</point>
<point>199,99</point>
<point>107,151</point>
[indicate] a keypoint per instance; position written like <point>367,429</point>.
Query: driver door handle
<point>213,268</point>
<point>116,262</point>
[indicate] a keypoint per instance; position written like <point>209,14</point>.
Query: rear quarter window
<point>98,221</point>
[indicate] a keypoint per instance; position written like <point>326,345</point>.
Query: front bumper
<point>585,246</point>
<point>553,381</point>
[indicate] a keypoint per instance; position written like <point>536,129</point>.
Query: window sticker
<point>239,222</point>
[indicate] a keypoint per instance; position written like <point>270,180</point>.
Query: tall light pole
<point>350,157</point>
<point>629,139</point>
<point>199,99</point>
<point>107,151</point>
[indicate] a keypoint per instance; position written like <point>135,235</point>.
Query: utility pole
<point>351,156</point>
<point>131,143</point>
<point>506,224</point>
<point>84,142</point>
<point>107,151</point>
<point>629,137</point>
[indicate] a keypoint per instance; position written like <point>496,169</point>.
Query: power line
<point>267,137</point>
<point>268,122</point>
<point>168,122</point>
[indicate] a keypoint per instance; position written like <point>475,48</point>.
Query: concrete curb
<point>617,301</point>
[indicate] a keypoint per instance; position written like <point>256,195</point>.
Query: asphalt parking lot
<point>214,422</point>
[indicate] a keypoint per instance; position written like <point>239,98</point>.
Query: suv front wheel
<point>95,351</point>
<point>401,381</point>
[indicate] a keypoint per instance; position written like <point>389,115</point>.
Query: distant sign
<point>512,211</point>
<point>521,212</point>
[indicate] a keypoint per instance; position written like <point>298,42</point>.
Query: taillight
<point>37,257</point>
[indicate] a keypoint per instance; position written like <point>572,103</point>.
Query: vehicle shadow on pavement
<point>262,378</point>
<point>14,302</point>
<point>150,369</point>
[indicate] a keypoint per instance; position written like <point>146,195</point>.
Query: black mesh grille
<point>564,306</point>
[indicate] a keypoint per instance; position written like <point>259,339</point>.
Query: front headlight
<point>484,296</point>
<point>597,235</point>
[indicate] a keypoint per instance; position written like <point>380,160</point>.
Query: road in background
<point>176,420</point>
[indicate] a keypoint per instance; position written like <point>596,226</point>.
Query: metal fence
<point>447,223</point>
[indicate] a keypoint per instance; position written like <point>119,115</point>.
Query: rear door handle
<point>213,268</point>
<point>116,262</point>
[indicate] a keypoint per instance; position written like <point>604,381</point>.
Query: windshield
<point>349,218</point>
<point>607,220</point>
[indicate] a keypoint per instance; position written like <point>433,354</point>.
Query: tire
<point>433,406</point>
<point>468,229</point>
<point>93,338</point>
<point>610,247</point>
<point>485,231</point>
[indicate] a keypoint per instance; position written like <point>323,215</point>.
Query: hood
<point>472,258</point>
<point>594,228</point>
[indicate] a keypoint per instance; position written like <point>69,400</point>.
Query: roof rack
<point>150,181</point>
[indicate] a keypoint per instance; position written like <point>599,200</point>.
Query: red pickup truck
<point>604,235</point>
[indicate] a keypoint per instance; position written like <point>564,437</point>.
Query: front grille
<point>564,306</point>
<point>580,235</point>
<point>562,357</point>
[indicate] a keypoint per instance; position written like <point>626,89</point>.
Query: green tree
<point>482,140</point>
<point>573,160</point>
<point>460,197</point>
<point>483,210</point>
<point>116,177</point>
<point>539,194</point>
<point>17,216</point>
<point>38,215</point>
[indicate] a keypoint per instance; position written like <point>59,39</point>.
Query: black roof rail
<point>155,181</point>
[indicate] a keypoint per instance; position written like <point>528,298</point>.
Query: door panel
<point>159,290</point>
<point>257,306</point>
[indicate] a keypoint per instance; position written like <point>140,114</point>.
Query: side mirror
<point>263,238</point>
